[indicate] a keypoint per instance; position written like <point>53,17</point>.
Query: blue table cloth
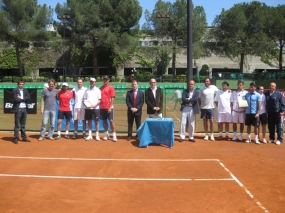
<point>158,131</point>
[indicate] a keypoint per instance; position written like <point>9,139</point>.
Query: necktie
<point>135,98</point>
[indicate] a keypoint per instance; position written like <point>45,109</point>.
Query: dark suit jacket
<point>153,102</point>
<point>193,100</point>
<point>17,100</point>
<point>139,101</point>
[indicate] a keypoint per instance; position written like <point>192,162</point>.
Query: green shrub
<point>7,79</point>
<point>167,78</point>
<point>16,78</point>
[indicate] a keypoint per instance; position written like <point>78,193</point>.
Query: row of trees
<point>107,33</point>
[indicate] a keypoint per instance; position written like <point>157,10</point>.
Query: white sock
<point>240,135</point>
<point>212,135</point>
<point>97,133</point>
<point>90,132</point>
<point>221,134</point>
<point>66,132</point>
<point>256,137</point>
<point>106,133</point>
<point>248,136</point>
<point>58,132</point>
<point>227,133</point>
<point>235,134</point>
<point>75,132</point>
<point>114,134</point>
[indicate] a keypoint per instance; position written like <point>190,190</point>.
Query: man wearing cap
<point>252,112</point>
<point>134,101</point>
<point>92,99</point>
<point>48,109</point>
<point>106,107</point>
<point>64,109</point>
<point>238,109</point>
<point>79,109</point>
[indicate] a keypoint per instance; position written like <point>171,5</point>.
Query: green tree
<point>109,25</point>
<point>275,30</point>
<point>23,21</point>
<point>174,27</point>
<point>239,32</point>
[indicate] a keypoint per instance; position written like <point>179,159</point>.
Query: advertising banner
<point>9,100</point>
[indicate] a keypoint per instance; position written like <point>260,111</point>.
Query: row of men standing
<point>237,107</point>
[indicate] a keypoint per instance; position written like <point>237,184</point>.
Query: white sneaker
<point>240,138</point>
<point>89,138</point>
<point>278,142</point>
<point>212,138</point>
<point>206,138</point>
<point>115,139</point>
<point>264,140</point>
<point>97,138</point>
<point>248,140</point>
<point>107,137</point>
<point>234,138</point>
<point>257,141</point>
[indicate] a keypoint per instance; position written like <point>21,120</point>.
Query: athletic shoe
<point>84,135</point>
<point>271,141</point>
<point>57,137</point>
<point>206,138</point>
<point>41,139</point>
<point>278,142</point>
<point>75,136</point>
<point>212,138</point>
<point>234,138</point>
<point>66,136</point>
<point>89,138</point>
<point>227,138</point>
<point>107,137</point>
<point>240,139</point>
<point>115,139</point>
<point>257,141</point>
<point>51,138</point>
<point>97,138</point>
<point>264,140</point>
<point>220,137</point>
<point>248,140</point>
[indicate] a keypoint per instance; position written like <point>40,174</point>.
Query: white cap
<point>92,79</point>
<point>64,84</point>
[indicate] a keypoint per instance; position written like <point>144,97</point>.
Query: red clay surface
<point>90,176</point>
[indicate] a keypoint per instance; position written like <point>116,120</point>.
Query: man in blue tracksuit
<point>275,107</point>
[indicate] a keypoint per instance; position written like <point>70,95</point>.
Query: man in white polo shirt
<point>238,105</point>
<point>92,99</point>
<point>206,101</point>
<point>79,109</point>
<point>224,116</point>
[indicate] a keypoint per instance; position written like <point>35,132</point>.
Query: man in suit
<point>189,109</point>
<point>21,98</point>
<point>154,100</point>
<point>134,101</point>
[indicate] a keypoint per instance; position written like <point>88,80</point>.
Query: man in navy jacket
<point>275,108</point>
<point>21,98</point>
<point>134,101</point>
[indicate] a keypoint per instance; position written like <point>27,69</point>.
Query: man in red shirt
<point>106,107</point>
<point>64,109</point>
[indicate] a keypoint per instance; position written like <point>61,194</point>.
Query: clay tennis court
<point>90,176</point>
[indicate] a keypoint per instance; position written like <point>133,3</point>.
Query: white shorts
<point>79,114</point>
<point>224,117</point>
<point>238,117</point>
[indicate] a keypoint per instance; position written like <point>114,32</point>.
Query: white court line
<point>174,115</point>
<point>108,159</point>
<point>133,179</point>
<point>106,178</point>
<point>245,189</point>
